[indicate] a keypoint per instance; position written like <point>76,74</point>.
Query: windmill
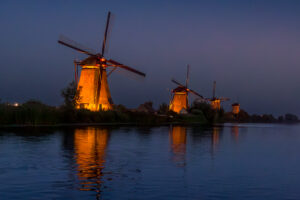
<point>215,102</point>
<point>92,89</point>
<point>235,108</point>
<point>179,99</point>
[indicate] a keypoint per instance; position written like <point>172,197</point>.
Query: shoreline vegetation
<point>35,113</point>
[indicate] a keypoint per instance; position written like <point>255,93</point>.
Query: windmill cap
<point>180,89</point>
<point>90,61</point>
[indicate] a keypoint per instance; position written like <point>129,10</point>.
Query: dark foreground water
<point>231,162</point>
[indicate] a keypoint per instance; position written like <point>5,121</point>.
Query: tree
<point>243,116</point>
<point>163,108</point>
<point>210,114</point>
<point>280,118</point>
<point>70,95</point>
<point>146,107</point>
<point>291,117</point>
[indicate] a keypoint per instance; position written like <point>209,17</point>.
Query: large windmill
<point>215,102</point>
<point>92,89</point>
<point>180,95</point>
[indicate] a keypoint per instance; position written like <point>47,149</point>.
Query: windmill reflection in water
<point>178,144</point>
<point>90,147</point>
<point>235,132</point>
<point>178,141</point>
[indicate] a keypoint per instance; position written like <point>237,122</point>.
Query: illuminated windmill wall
<point>180,99</point>
<point>92,89</point>
<point>235,108</point>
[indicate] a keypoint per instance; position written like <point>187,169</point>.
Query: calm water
<point>231,162</point>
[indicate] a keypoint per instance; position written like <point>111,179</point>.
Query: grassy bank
<point>34,113</point>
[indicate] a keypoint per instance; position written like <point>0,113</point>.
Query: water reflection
<point>178,144</point>
<point>215,138</point>
<point>158,163</point>
<point>90,145</point>
<point>235,132</point>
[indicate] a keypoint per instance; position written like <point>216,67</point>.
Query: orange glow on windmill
<point>92,89</point>
<point>179,101</point>
<point>235,108</point>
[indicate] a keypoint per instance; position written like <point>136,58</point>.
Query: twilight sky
<point>251,48</point>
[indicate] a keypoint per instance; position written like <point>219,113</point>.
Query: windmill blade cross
<point>187,76</point>
<point>214,89</point>
<point>116,64</point>
<point>76,71</point>
<point>195,93</point>
<point>111,71</point>
<point>189,90</point>
<point>105,33</point>
<point>208,99</point>
<point>176,82</point>
<point>74,45</point>
<point>224,99</point>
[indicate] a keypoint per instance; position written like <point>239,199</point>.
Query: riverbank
<point>34,113</point>
<point>103,124</point>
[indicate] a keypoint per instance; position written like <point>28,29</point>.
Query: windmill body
<point>235,108</point>
<point>87,88</point>
<point>92,89</point>
<point>105,101</point>
<point>179,99</point>
<point>215,104</point>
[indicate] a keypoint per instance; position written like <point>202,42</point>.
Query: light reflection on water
<point>90,145</point>
<point>171,162</point>
<point>178,143</point>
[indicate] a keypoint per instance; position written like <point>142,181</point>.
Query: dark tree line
<point>34,112</point>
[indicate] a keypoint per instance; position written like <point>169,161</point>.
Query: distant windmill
<point>235,108</point>
<point>92,87</point>
<point>215,102</point>
<point>179,99</point>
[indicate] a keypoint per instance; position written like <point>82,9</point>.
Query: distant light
<point>16,104</point>
<point>102,59</point>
